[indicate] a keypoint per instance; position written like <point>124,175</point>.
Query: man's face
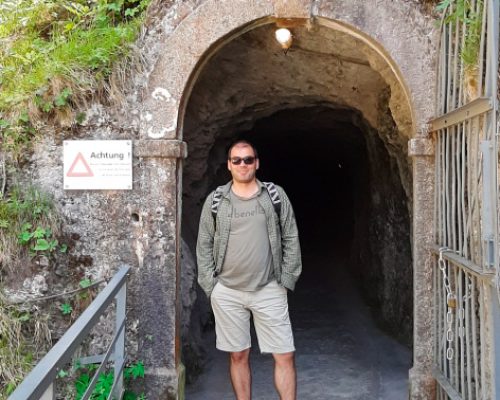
<point>242,173</point>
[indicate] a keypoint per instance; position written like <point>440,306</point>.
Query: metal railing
<point>39,384</point>
<point>466,203</point>
<point>461,326</point>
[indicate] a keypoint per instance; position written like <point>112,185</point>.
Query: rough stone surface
<point>37,285</point>
<point>375,57</point>
<point>422,267</point>
<point>137,228</point>
<point>421,147</point>
<point>400,31</point>
<point>292,8</point>
<point>194,314</point>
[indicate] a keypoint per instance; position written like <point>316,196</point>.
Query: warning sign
<point>78,164</point>
<point>97,164</point>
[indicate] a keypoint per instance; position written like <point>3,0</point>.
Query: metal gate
<point>466,272</point>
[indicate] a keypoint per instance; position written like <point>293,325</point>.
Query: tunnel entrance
<point>326,133</point>
<point>352,215</point>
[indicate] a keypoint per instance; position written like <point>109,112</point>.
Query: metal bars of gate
<point>39,384</point>
<point>466,203</point>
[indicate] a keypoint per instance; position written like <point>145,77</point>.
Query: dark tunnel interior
<point>322,167</point>
<point>349,203</point>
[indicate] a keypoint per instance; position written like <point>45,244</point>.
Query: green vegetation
<point>105,381</point>
<point>23,334</point>
<point>470,15</point>
<point>66,308</point>
<point>28,229</point>
<point>85,283</point>
<point>38,239</point>
<point>22,339</point>
<point>53,55</point>
<point>28,224</point>
<point>82,298</point>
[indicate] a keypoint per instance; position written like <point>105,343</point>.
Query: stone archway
<point>393,48</point>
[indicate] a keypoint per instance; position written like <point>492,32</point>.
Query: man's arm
<point>291,265</point>
<point>205,247</point>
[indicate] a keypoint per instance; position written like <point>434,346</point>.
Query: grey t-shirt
<point>248,262</point>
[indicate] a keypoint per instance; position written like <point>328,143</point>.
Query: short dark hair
<point>242,141</point>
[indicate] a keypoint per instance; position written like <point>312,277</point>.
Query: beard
<point>243,177</point>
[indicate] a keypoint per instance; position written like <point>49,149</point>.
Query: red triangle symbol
<point>79,162</point>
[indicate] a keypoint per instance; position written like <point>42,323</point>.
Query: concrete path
<point>341,354</point>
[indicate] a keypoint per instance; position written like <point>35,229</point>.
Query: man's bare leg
<point>285,377</point>
<point>241,379</point>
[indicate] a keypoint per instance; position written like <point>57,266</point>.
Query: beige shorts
<point>269,308</point>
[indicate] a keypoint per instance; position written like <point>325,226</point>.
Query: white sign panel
<point>97,164</point>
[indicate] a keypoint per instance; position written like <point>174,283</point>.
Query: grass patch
<point>26,216</point>
<point>29,225</point>
<point>53,55</point>
<point>23,339</point>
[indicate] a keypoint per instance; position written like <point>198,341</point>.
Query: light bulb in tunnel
<point>284,38</point>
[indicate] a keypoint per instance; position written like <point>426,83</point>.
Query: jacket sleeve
<point>205,247</point>
<point>291,264</point>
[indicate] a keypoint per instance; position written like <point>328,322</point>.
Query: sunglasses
<point>249,160</point>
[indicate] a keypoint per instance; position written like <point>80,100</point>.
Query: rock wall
<point>381,253</point>
<point>238,78</point>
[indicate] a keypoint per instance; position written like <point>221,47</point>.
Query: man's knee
<point>239,357</point>
<point>284,359</point>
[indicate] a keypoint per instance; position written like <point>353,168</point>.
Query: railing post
<point>39,384</point>
<point>119,351</point>
<point>488,204</point>
<point>49,393</point>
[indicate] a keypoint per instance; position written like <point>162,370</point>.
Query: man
<point>248,256</point>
